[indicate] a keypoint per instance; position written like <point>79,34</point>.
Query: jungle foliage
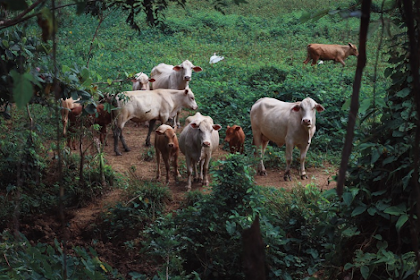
<point>370,232</point>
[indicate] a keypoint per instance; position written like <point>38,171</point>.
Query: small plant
<point>149,154</point>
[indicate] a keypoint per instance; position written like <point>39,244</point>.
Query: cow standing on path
<point>166,145</point>
<point>149,105</point>
<point>173,77</point>
<point>197,141</point>
<point>338,53</point>
<point>292,124</point>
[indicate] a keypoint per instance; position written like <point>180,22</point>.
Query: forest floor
<point>134,163</point>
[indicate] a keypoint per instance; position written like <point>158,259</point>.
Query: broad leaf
<point>22,88</point>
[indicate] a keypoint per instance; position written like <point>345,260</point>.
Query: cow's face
<point>353,49</point>
<point>190,100</point>
<point>231,132</point>
<point>307,110</point>
<point>205,128</point>
<point>141,82</point>
<point>169,135</point>
<point>186,68</point>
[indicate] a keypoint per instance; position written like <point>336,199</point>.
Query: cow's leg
<point>303,151</point>
<point>289,154</point>
<point>178,115</point>
<point>261,141</point>
<point>157,164</point>
<point>205,167</point>
<point>175,164</point>
<point>314,60</point>
<point>308,58</point>
<point>190,164</point>
<point>341,61</point>
<point>116,132</point>
<point>166,161</point>
<point>102,135</point>
<point>151,127</point>
<point>126,148</point>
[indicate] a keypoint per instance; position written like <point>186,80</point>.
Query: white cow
<point>197,141</point>
<point>149,105</point>
<point>292,124</point>
<point>141,81</point>
<point>173,77</point>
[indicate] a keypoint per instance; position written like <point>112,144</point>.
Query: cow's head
<point>169,133</point>
<point>140,81</point>
<point>189,99</point>
<point>353,50</point>
<point>307,109</point>
<point>186,69</point>
<point>205,127</point>
<point>231,132</point>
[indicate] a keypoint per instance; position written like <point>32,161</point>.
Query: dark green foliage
<point>21,260</point>
<point>124,221</point>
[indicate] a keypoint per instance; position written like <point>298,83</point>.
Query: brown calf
<point>338,53</point>
<point>235,136</point>
<point>101,117</point>
<point>166,143</point>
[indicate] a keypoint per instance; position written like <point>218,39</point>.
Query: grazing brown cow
<point>166,144</point>
<point>101,117</point>
<point>338,53</point>
<point>235,136</point>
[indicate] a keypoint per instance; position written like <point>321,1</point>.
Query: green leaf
<point>396,210</point>
<point>231,227</point>
<point>22,88</point>
<point>401,221</point>
<point>358,210</point>
<point>364,270</point>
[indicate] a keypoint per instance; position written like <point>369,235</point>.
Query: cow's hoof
<point>304,176</point>
<point>287,177</point>
<point>147,144</point>
<point>188,188</point>
<point>118,154</point>
<point>127,150</point>
<point>197,180</point>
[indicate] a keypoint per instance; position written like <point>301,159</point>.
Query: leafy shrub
<point>40,261</point>
<point>123,221</point>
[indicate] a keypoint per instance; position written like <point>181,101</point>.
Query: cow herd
<point>163,96</point>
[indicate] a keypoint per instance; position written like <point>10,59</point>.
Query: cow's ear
<point>217,127</point>
<point>152,80</point>
<point>351,45</point>
<point>177,68</point>
<point>133,80</point>
<point>227,127</point>
<point>194,125</point>
<point>319,108</point>
<point>197,69</point>
<point>238,128</point>
<point>186,91</point>
<point>296,108</point>
<point>158,132</point>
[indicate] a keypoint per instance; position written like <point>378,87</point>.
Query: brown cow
<point>235,136</point>
<point>102,118</point>
<point>66,106</point>
<point>166,144</point>
<point>338,53</point>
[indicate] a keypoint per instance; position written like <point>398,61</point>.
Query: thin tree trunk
<point>354,105</point>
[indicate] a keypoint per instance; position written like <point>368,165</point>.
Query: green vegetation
<point>370,232</point>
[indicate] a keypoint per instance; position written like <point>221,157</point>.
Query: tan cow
<point>292,124</point>
<point>197,141</point>
<point>149,105</point>
<point>235,136</point>
<point>66,106</point>
<point>338,53</point>
<point>173,77</point>
<point>166,144</point>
